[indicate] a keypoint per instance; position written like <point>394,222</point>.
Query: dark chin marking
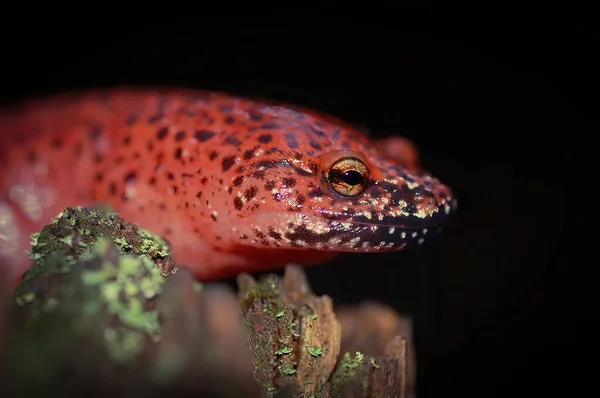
<point>340,236</point>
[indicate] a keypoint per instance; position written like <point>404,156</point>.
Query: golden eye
<point>348,176</point>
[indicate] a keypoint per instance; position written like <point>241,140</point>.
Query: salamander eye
<point>348,176</point>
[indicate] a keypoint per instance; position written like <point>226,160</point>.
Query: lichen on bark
<point>102,311</point>
<point>295,341</point>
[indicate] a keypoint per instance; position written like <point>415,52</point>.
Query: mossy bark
<point>103,310</point>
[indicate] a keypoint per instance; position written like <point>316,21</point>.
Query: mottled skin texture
<point>234,184</point>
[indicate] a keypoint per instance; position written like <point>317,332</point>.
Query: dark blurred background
<point>503,108</point>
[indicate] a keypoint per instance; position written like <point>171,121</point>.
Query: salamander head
<point>336,193</point>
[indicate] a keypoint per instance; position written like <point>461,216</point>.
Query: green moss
<point>74,231</point>
<point>314,351</point>
<point>273,354</point>
<point>99,273</point>
<point>345,372</point>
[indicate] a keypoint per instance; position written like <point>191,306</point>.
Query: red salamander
<point>235,184</point>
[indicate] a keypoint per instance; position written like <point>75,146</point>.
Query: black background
<point>503,109</point>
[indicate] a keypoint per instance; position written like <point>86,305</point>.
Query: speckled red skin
<point>234,184</point>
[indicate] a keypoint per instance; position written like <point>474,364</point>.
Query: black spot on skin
<point>250,153</point>
<point>162,206</point>
<point>255,116</point>
<point>259,174</point>
<point>95,132</point>
<point>227,162</point>
<point>127,140</point>
<point>240,169</point>
<point>316,145</point>
<point>203,180</point>
<point>273,150</point>
<point>214,218</point>
<point>270,185</point>
<point>231,140</point>
<point>251,192</point>
<point>204,135</point>
<point>316,193</point>
<point>178,153</point>
<point>229,120</point>
<point>300,199</point>
<point>159,157</point>
<point>237,181</point>
<point>267,164</point>
<point>57,142</point>
<point>243,236</point>
<point>180,136</point>
<point>237,203</point>
<point>274,234</point>
<point>259,234</point>
<point>292,142</point>
<point>313,166</point>
<point>175,188</point>
<point>152,181</point>
<point>289,182</point>
<point>319,133</point>
<point>112,188</point>
<point>265,138</point>
<point>270,126</point>
<point>170,176</point>
<point>199,195</point>
<point>131,119</point>
<point>212,155</point>
<point>162,133</point>
<point>302,172</point>
<point>375,193</point>
<point>336,134</point>
<point>302,233</point>
<point>188,112</point>
<point>155,118</point>
<point>130,177</point>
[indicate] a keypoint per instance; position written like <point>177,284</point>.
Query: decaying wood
<point>296,339</point>
<point>103,312</point>
<point>370,326</point>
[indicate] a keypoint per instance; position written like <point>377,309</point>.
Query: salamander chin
<point>349,231</point>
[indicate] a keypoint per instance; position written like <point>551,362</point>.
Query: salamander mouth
<point>346,233</point>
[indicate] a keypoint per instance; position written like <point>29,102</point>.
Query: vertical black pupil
<point>352,177</point>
